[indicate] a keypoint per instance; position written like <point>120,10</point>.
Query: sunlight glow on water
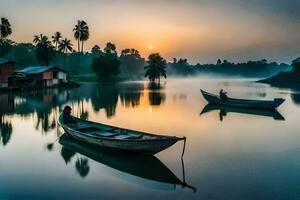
<point>241,157</point>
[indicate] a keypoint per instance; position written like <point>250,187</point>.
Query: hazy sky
<point>200,30</point>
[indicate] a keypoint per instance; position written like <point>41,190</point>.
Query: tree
<point>107,65</point>
<point>296,65</point>
<point>81,33</point>
<point>5,31</point>
<point>110,48</point>
<point>156,67</point>
<point>45,50</point>
<point>5,46</point>
<point>56,39</point>
<point>219,62</point>
<point>181,66</point>
<point>64,46</point>
<point>5,28</point>
<point>132,63</point>
<point>96,51</point>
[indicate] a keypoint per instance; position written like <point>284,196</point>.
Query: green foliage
<point>132,64</point>
<point>110,48</point>
<point>24,54</point>
<point>5,28</point>
<point>156,67</point>
<point>44,51</point>
<point>56,39</point>
<point>180,66</point>
<point>96,51</point>
<point>81,33</point>
<point>5,46</point>
<point>107,65</point>
<point>296,65</point>
<point>64,46</point>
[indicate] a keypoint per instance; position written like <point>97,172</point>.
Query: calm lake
<point>228,155</point>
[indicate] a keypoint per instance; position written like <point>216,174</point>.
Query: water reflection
<point>82,167</point>
<point>6,130</point>
<point>156,94</point>
<point>67,154</point>
<point>226,109</point>
<point>295,98</point>
<point>105,97</point>
<point>152,169</point>
<point>130,94</point>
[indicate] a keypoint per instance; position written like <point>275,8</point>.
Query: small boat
<point>152,168</point>
<point>243,103</point>
<point>250,111</point>
<point>121,139</point>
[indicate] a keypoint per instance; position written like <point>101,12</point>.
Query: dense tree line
<point>260,68</point>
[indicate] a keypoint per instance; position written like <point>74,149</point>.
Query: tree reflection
<point>156,96</point>
<point>67,154</point>
<point>6,131</point>
<point>105,97</point>
<point>130,94</point>
<point>82,167</point>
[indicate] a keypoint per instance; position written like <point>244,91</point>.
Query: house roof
<point>38,69</point>
<point>3,61</point>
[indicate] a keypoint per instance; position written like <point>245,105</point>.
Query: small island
<point>288,79</point>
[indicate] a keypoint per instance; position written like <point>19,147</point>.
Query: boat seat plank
<point>103,134</point>
<point>80,126</point>
<point>129,136</point>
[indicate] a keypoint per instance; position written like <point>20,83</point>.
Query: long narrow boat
<point>243,103</point>
<point>121,139</point>
<point>153,169</point>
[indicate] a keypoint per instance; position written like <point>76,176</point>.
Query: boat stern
<point>278,102</point>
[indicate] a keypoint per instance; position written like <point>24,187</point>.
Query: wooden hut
<point>7,71</point>
<point>44,76</point>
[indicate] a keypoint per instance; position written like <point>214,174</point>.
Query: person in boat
<point>223,95</point>
<point>67,118</point>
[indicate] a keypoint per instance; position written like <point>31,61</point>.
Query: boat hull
<point>243,103</point>
<point>155,144</point>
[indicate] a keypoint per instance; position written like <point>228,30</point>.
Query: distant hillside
<point>250,69</point>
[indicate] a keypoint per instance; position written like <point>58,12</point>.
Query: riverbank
<point>68,85</point>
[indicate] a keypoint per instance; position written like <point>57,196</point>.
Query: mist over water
<point>241,157</point>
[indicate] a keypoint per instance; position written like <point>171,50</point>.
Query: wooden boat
<point>152,168</point>
<point>243,103</point>
<point>117,138</point>
<point>250,111</point>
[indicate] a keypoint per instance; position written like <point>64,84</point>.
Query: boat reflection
<point>144,166</point>
<point>227,109</point>
<point>5,130</point>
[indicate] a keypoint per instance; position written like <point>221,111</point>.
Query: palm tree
<point>44,51</point>
<point>156,67</point>
<point>56,39</point>
<point>5,28</point>
<point>81,33</point>
<point>64,46</point>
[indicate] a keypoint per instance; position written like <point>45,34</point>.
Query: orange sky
<point>201,31</point>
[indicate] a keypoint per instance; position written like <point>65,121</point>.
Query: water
<point>241,157</point>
